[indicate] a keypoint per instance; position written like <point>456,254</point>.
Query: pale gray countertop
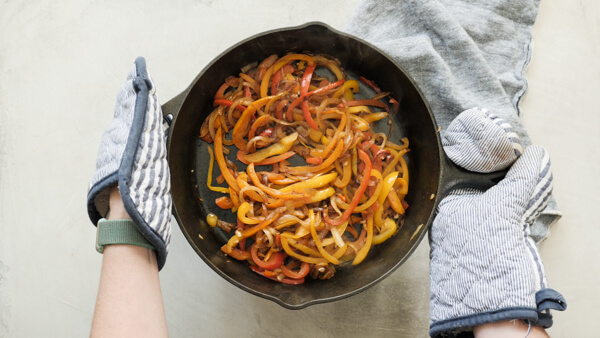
<point>61,64</point>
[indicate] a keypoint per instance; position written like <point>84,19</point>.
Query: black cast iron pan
<point>431,173</point>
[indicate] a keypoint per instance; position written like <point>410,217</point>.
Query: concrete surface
<point>61,64</point>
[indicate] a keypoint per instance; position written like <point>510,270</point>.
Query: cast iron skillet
<point>431,173</point>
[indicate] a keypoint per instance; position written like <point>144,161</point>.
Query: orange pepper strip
<point>266,161</point>
<point>221,161</point>
<point>395,202</point>
<point>251,231</point>
<point>329,161</point>
<point>362,253</point>
<point>270,191</point>
<point>261,121</point>
<point>359,192</point>
<point>239,130</point>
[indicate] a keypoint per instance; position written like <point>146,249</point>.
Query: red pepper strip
<point>302,98</point>
<point>273,263</point>
<point>370,83</point>
<point>266,161</point>
<point>229,104</point>
<point>279,108</point>
<point>304,268</point>
<point>358,194</point>
<point>247,92</point>
<point>278,76</point>
<point>238,254</point>
<point>284,281</point>
<point>374,103</point>
<point>221,91</point>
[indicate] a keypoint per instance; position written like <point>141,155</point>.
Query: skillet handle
<point>455,177</point>
<point>171,109</point>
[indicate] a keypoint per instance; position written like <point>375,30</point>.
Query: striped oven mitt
<point>133,155</point>
<point>484,265</point>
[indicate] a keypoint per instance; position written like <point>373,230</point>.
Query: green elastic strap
<point>120,231</point>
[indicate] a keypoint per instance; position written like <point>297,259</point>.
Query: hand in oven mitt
<point>133,156</point>
<point>484,265</point>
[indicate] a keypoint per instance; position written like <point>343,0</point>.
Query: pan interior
<point>189,161</point>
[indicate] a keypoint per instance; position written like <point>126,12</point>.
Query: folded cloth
<point>485,267</point>
<point>461,54</point>
<point>133,155</point>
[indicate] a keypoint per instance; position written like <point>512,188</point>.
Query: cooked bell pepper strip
<point>259,122</point>
<point>329,161</point>
<point>362,253</point>
<point>228,103</point>
<point>221,161</point>
<point>221,91</point>
<point>270,191</point>
<point>371,84</point>
<point>264,85</point>
<point>389,228</point>
<point>272,263</point>
<point>375,117</point>
<point>392,165</point>
<point>374,103</point>
<point>388,184</point>
<point>278,148</point>
<point>224,202</point>
<point>313,183</point>
<point>279,75</point>
<point>243,210</point>
<point>236,253</point>
<point>376,193</point>
<point>348,85</point>
<point>358,194</point>
<point>397,147</point>
<point>210,172</point>
<point>288,250</point>
<point>243,123</point>
<point>263,273</point>
<point>320,195</point>
<point>347,175</point>
<point>266,161</point>
<point>317,240</point>
<point>302,101</point>
<point>304,268</point>
<point>395,202</point>
<point>254,195</point>
<point>333,142</point>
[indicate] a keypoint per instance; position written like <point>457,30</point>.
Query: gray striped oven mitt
<point>133,155</point>
<point>484,265</point>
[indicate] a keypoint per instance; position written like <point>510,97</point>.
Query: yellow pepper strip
<point>375,117</point>
<point>320,195</point>
<point>210,171</point>
<point>312,183</point>
<point>388,183</point>
<point>243,123</point>
<point>389,228</point>
<point>395,202</point>
<point>378,218</point>
<point>359,109</point>
<point>372,199</point>
<point>396,146</point>
<point>331,65</point>
<point>329,161</point>
<point>325,140</point>
<point>314,135</point>
<point>317,240</point>
<point>392,164</point>
<point>278,148</point>
<point>270,191</point>
<point>221,161</point>
<point>350,84</point>
<point>243,210</point>
<point>359,123</point>
<point>347,175</point>
<point>403,185</point>
<point>265,82</point>
<point>292,253</point>
<point>362,253</point>
<point>336,137</point>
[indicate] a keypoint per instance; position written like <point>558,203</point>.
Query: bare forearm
<point>129,302</point>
